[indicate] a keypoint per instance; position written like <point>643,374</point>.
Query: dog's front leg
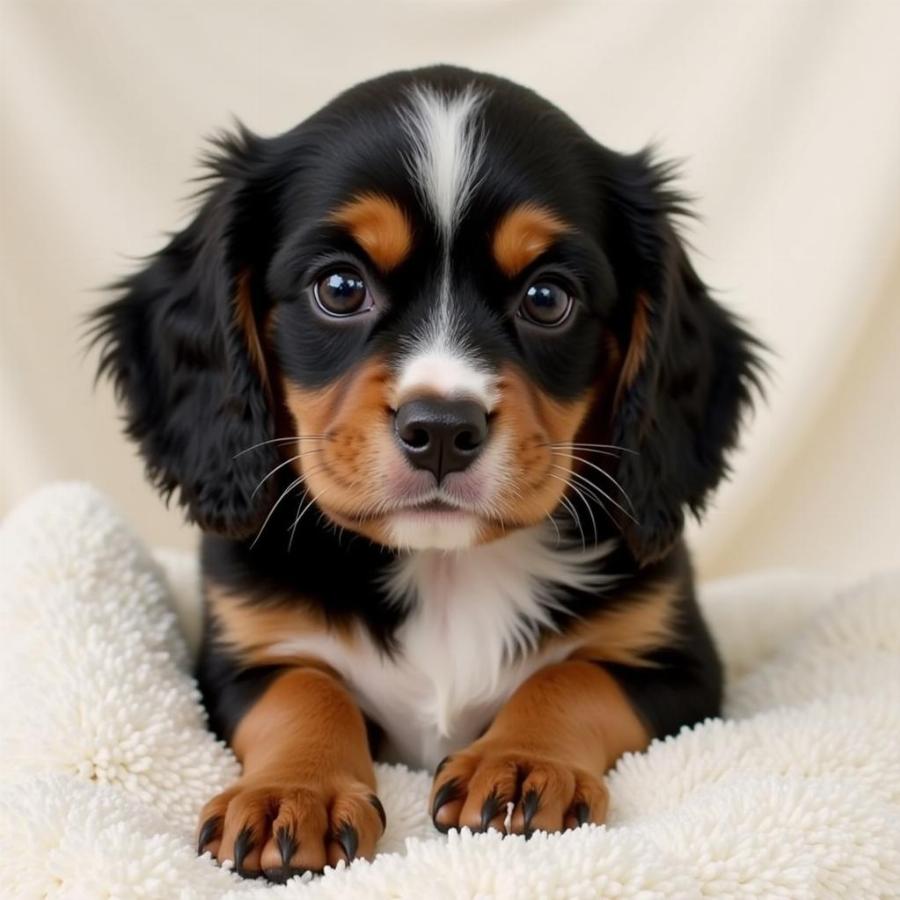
<point>307,794</point>
<point>545,752</point>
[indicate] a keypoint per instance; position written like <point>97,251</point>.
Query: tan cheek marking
<point>343,470</point>
<point>628,633</point>
<point>532,420</point>
<point>379,226</point>
<point>637,346</point>
<point>523,235</point>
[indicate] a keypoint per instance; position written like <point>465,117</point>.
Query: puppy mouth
<point>433,506</point>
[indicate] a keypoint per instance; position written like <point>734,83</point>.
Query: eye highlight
<point>342,292</point>
<point>546,303</point>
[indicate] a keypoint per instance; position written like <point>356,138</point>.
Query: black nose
<point>442,436</point>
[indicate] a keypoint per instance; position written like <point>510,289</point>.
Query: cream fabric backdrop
<point>787,114</point>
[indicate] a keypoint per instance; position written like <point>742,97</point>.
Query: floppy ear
<point>689,371</point>
<point>181,348</point>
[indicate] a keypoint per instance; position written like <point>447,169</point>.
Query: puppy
<point>435,376</point>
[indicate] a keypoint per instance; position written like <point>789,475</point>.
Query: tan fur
<point>246,320</point>
<point>523,235</point>
<point>638,345</point>
<point>248,630</point>
<point>379,226</point>
<point>628,633</point>
<point>342,467</point>
<point>306,769</point>
<point>556,736</point>
<point>531,421</point>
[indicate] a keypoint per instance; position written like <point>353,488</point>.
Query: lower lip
<point>436,508</point>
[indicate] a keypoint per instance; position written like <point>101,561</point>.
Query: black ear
<point>179,345</point>
<point>690,368</point>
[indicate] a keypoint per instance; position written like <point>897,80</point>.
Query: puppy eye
<point>546,303</point>
<point>342,293</point>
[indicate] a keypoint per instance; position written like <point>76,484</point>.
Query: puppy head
<point>436,311</point>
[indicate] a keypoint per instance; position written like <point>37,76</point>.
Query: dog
<point>435,376</point>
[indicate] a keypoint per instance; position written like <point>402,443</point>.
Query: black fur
<point>201,411</point>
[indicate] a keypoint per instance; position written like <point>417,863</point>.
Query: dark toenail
<point>208,832</point>
<point>242,846</point>
<point>446,793</point>
<point>491,807</point>
<point>582,813</point>
<point>287,845</point>
<point>530,803</point>
<point>379,809</point>
<point>348,838</point>
<point>440,766</point>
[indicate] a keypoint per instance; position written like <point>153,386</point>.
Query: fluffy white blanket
<point>105,759</point>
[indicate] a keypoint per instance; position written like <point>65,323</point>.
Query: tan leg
<point>307,794</point>
<point>546,752</point>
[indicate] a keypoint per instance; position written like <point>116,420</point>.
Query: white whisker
<point>599,489</point>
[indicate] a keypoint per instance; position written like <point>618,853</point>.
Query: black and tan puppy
<point>435,376</point>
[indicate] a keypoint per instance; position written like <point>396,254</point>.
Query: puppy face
<point>440,315</point>
<point>447,312</point>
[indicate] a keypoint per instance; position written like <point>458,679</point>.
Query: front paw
<point>279,827</point>
<point>474,787</point>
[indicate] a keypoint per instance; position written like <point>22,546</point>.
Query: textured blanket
<point>105,759</point>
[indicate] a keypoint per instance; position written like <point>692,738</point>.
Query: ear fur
<point>693,376</point>
<point>175,346</point>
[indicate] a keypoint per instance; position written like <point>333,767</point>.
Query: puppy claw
<point>373,799</point>
<point>530,804</point>
<point>348,838</point>
<point>447,793</point>
<point>208,832</point>
<point>243,845</point>
<point>490,809</point>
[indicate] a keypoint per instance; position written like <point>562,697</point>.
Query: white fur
<point>467,643</point>
<point>444,165</point>
<point>447,374</point>
<point>446,151</point>
<point>105,761</point>
<point>433,531</point>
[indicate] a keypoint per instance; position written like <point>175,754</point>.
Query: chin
<point>434,530</point>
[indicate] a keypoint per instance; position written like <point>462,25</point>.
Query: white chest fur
<point>468,642</point>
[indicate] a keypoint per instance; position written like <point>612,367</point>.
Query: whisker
<point>284,494</point>
<point>588,508</point>
<point>301,514</point>
<point>593,490</point>
<point>572,511</point>
<point>606,449</point>
<point>281,465</point>
<point>602,471</point>
<point>282,440</point>
<point>587,487</point>
<point>553,523</point>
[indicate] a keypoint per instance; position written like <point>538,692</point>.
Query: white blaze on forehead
<point>444,164</point>
<point>446,151</point>
<point>440,371</point>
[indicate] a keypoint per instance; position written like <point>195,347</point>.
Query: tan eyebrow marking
<point>523,234</point>
<point>379,226</point>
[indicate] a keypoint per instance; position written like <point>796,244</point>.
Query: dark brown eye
<point>342,293</point>
<point>546,303</point>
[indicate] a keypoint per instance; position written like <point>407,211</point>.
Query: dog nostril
<point>466,441</point>
<point>416,438</point>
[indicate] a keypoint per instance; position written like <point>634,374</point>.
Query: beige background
<point>786,112</point>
